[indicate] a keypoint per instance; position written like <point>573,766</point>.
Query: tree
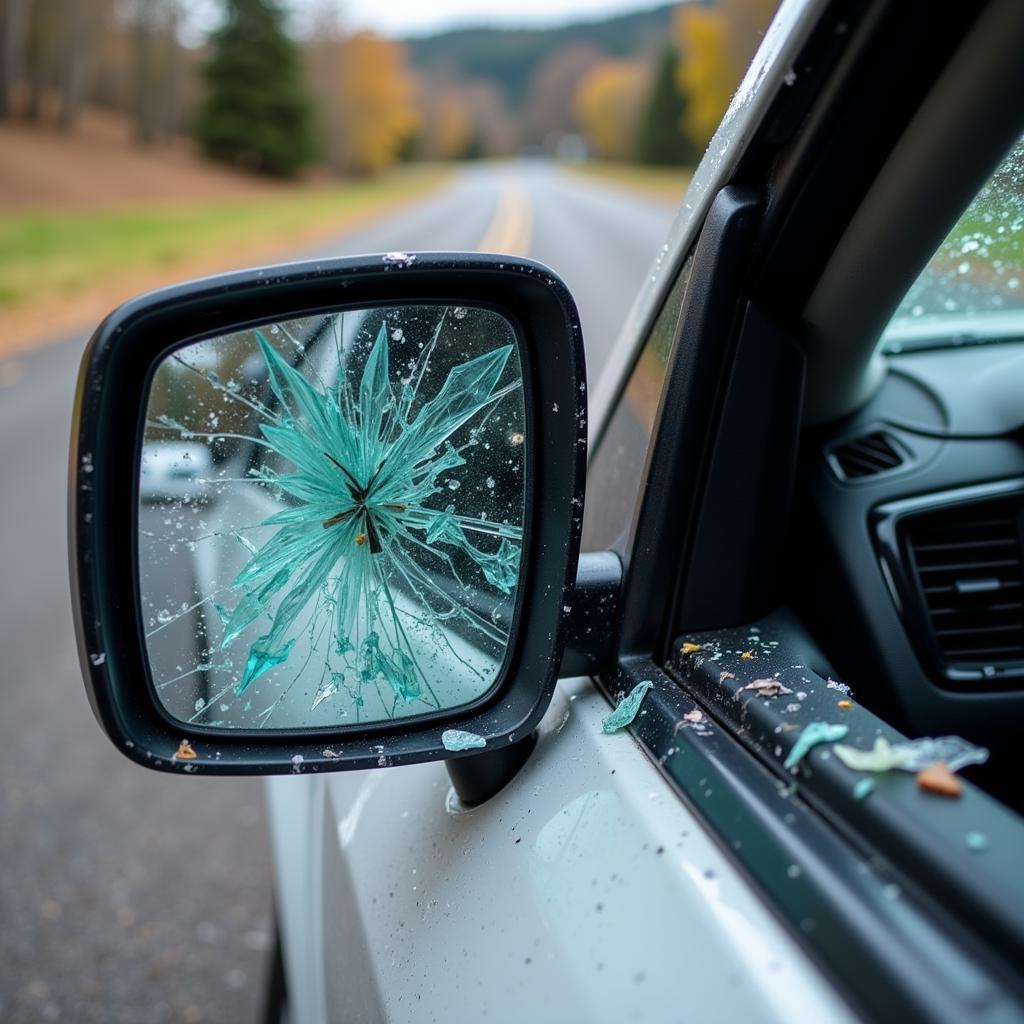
<point>257,113</point>
<point>716,45</point>
<point>605,105</point>
<point>13,30</point>
<point>373,103</point>
<point>446,121</point>
<point>661,138</point>
<point>549,104</point>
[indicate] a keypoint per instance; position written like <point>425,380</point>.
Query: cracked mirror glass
<point>331,517</point>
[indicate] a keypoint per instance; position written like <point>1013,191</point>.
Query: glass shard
<point>458,739</point>
<point>812,735</point>
<point>627,708</point>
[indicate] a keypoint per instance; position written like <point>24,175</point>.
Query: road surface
<point>136,897</point>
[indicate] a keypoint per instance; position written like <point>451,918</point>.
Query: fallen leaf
<point>184,752</point>
<point>747,656</point>
<point>844,704</point>
<point>767,687</point>
<point>689,648</point>
<point>939,779</point>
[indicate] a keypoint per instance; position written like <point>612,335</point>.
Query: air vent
<point>968,563</point>
<point>866,456</point>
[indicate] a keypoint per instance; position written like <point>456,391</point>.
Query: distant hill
<point>510,57</point>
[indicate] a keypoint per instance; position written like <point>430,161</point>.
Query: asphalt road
<point>131,896</point>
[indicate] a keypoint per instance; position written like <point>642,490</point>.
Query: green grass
<point>53,254</point>
<point>666,183</point>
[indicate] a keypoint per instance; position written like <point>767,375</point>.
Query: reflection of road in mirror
<point>331,517</point>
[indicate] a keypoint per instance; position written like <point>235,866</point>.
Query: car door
<point>684,871</point>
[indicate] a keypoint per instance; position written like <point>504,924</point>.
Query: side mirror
<point>327,515</point>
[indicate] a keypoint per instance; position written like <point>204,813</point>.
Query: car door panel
<point>585,877</point>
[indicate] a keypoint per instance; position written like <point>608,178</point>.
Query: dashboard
<point>909,547</point>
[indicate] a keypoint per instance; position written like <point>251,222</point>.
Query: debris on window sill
<point>955,753</point>
<point>864,788</point>
<point>939,779</point>
<point>977,842</point>
<point>766,687</point>
<point>813,735</point>
<point>882,757</point>
<point>459,739</point>
<point>185,752</point>
<point>627,708</point>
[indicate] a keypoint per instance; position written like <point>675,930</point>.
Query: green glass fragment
<point>814,734</point>
<point>864,787</point>
<point>978,842</point>
<point>627,708</point>
<point>261,660</point>
<point>882,757</point>
<point>459,739</point>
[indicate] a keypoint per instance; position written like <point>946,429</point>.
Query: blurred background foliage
<point>145,141</point>
<point>279,95</point>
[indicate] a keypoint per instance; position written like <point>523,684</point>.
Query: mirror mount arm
<point>589,649</point>
<point>590,644</point>
<point>478,777</point>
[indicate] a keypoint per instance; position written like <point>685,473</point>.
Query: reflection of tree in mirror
<point>381,554</point>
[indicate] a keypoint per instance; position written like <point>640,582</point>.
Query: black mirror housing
<point>104,493</point>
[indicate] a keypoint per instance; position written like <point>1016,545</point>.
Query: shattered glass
<point>627,708</point>
<point>331,517</point>
<point>813,735</point>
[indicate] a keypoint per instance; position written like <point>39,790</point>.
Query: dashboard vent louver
<point>865,456</point>
<point>968,563</point>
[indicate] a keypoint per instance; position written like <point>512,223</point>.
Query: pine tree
<point>257,113</point>
<point>660,136</point>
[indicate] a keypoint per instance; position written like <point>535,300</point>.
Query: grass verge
<point>59,265</point>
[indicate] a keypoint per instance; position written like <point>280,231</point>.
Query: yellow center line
<point>511,228</point>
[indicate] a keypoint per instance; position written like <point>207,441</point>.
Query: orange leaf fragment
<point>939,779</point>
<point>845,704</point>
<point>184,752</point>
<point>747,656</point>
<point>689,648</point>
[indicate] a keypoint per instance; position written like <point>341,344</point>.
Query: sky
<point>421,17</point>
<point>416,17</point>
<point>402,18</point>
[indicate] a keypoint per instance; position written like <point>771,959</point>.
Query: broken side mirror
<point>327,516</point>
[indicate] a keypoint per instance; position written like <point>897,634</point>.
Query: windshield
<point>970,292</point>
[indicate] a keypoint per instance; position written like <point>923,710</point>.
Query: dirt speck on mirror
<point>331,517</point>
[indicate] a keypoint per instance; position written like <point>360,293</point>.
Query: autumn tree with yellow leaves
<point>716,44</point>
<point>606,104</point>
<point>366,98</point>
